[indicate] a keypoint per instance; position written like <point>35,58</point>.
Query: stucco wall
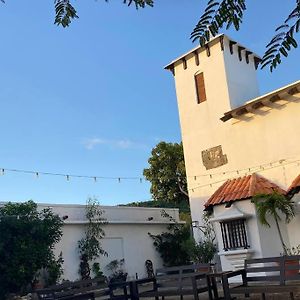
<point>126,236</point>
<point>269,138</point>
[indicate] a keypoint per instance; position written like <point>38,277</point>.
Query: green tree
<point>27,241</point>
<point>273,206</point>
<point>166,173</point>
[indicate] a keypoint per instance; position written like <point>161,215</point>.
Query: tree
<point>273,205</point>
<point>166,173</point>
<point>27,241</point>
<point>90,246</point>
<point>218,14</point>
<point>224,13</point>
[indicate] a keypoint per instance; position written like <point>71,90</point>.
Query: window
<point>234,234</point>
<point>200,88</point>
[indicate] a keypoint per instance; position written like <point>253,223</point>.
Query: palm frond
<point>273,205</point>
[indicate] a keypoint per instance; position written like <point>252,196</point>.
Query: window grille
<point>234,234</point>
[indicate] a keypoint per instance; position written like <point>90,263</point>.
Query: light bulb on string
<point>95,179</point>
<point>119,180</point>
<point>37,174</point>
<point>68,178</point>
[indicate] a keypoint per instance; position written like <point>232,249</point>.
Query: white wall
<point>126,236</point>
<point>267,137</point>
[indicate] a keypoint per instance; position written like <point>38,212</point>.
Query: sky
<point>93,99</point>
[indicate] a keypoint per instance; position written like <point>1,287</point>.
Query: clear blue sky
<point>94,99</point>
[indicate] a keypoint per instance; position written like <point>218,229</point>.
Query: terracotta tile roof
<point>295,186</point>
<point>242,188</point>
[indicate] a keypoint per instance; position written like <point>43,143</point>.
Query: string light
<point>282,165</point>
<point>266,166</point>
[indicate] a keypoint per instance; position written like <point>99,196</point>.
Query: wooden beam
<point>226,117</point>
<point>222,42</point>
<point>293,91</point>
<point>196,58</point>
<point>274,98</point>
<point>207,50</point>
<point>240,111</point>
<point>247,56</point>
<point>184,63</point>
<point>172,69</point>
<point>257,105</point>
<point>257,61</point>
<point>240,49</point>
<point>231,43</point>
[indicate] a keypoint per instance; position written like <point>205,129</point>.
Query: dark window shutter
<point>200,88</point>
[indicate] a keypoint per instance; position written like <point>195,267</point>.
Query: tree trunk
<point>182,190</point>
<point>280,236</point>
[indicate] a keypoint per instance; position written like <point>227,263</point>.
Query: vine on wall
<point>90,246</point>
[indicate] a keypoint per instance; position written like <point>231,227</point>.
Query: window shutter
<point>200,88</point>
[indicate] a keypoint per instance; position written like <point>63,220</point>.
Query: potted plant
<point>117,271</point>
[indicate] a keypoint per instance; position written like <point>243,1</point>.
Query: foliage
<point>97,270</point>
<point>174,245</point>
<point>273,206</point>
<point>90,246</point>
<point>203,251</point>
<point>231,12</point>
<point>117,271</point>
<point>166,173</point>
<point>284,39</point>
<point>293,250</point>
<point>217,14</point>
<point>65,11</point>
<point>207,229</point>
<point>55,270</point>
<point>27,241</point>
<point>183,206</point>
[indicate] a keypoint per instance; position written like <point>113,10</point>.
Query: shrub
<point>174,245</point>
<point>27,241</point>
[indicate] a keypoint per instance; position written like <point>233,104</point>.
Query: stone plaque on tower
<point>214,157</point>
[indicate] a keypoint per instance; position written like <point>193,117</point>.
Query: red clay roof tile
<point>243,188</point>
<point>295,185</point>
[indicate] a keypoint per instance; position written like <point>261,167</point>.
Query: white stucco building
<point>126,236</point>
<point>236,143</point>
